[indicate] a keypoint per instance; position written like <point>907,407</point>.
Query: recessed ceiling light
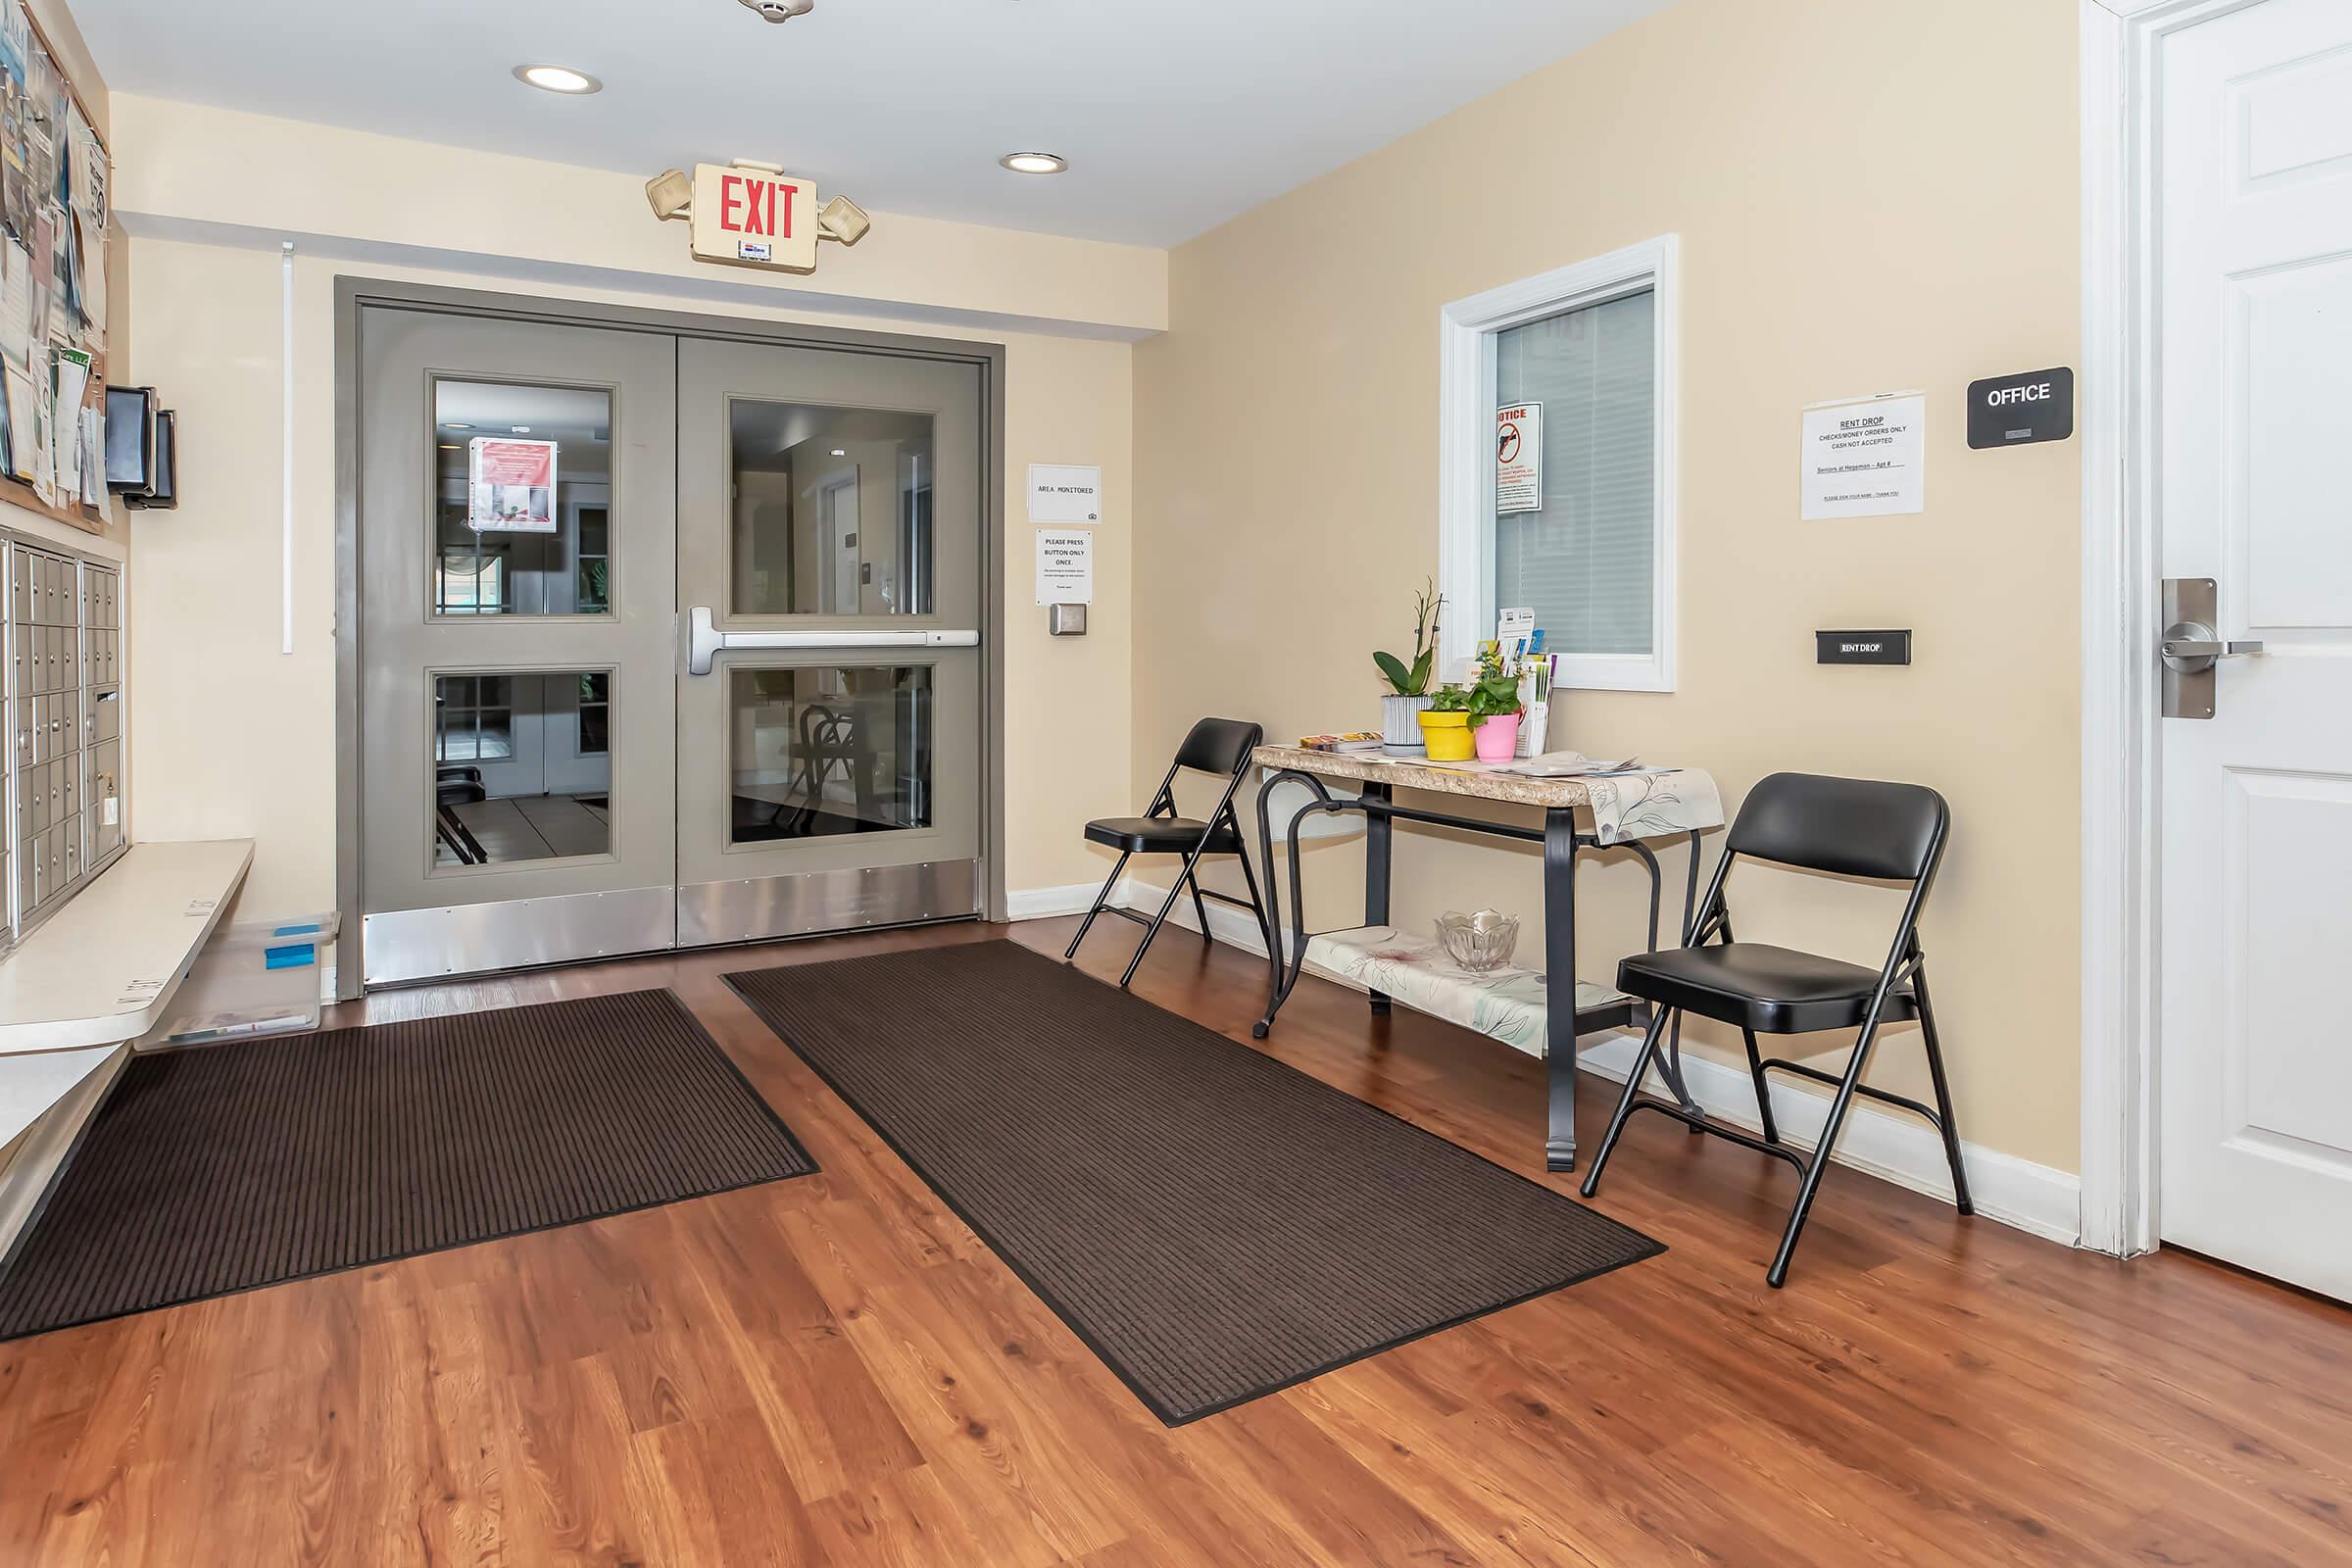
<point>1035,163</point>
<point>558,79</point>
<point>453,424</point>
<point>522,430</point>
<point>840,452</point>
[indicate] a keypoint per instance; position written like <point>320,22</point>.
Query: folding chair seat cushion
<point>1758,986</point>
<point>1161,835</point>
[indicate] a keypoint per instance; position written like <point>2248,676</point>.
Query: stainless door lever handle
<point>2190,647</point>
<point>2210,650</point>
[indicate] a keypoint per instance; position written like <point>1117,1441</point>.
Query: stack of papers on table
<point>1573,764</point>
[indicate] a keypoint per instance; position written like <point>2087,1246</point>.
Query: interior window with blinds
<point>1584,559</point>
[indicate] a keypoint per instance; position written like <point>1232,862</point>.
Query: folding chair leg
<point>1199,909</point>
<point>1777,1275</point>
<point>1152,930</point>
<point>1101,898</point>
<point>1756,1070</point>
<point>1944,1092</point>
<point>1624,1101</point>
<point>1257,907</point>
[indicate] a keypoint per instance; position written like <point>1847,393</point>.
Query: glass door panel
<point>822,751</point>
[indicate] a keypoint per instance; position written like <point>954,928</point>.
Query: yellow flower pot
<point>1447,736</point>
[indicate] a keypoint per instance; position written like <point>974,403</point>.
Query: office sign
<point>510,485</point>
<point>1519,458</point>
<point>1866,457</point>
<point>753,218</point>
<point>2015,411</point>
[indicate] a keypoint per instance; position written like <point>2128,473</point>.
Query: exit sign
<point>754,217</point>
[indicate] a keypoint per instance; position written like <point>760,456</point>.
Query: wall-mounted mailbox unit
<point>64,702</point>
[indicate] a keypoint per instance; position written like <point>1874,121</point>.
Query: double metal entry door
<point>667,641</point>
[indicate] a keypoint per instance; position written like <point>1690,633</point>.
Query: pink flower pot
<point>1497,738</point>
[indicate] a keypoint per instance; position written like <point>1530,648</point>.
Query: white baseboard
<point>1075,898</point>
<point>1888,1144</point>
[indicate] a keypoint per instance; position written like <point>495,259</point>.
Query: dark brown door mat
<point>1216,1224</point>
<point>227,1167</point>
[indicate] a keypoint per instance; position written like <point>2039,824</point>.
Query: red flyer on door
<point>513,485</point>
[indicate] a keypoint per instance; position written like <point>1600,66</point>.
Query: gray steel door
<point>830,767</point>
<point>517,568</point>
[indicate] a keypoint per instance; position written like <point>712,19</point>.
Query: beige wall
<point>231,737</point>
<point>188,170</point>
<point>1869,198</point>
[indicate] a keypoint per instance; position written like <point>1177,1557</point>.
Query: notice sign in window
<point>513,486</point>
<point>1866,459</point>
<point>1519,458</point>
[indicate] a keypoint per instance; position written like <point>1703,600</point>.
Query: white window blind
<point>1584,563</point>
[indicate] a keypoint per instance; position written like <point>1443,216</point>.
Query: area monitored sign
<point>752,217</point>
<point>2015,411</point>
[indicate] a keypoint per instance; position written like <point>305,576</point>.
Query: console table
<point>1379,779</point>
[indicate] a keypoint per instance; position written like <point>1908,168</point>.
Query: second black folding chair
<point>1845,827</point>
<point>1216,746</point>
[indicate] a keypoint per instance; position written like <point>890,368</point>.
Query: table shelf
<point>1509,1004</point>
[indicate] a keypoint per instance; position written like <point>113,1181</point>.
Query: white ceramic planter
<point>1400,720</point>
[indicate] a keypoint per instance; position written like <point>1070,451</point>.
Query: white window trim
<point>1466,453</point>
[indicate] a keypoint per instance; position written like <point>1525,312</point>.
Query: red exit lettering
<point>748,205</point>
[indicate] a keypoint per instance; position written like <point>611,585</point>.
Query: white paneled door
<point>2254,220</point>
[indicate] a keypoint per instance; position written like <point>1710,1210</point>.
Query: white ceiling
<point>1174,116</point>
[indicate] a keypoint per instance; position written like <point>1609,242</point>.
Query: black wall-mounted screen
<point>166,494</point>
<point>130,440</point>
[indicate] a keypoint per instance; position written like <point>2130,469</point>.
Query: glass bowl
<point>1479,941</point>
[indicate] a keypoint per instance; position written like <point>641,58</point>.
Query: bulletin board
<point>56,184</point>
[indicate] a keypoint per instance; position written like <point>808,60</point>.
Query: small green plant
<point>1497,691</point>
<point>1412,680</point>
<point>1450,699</point>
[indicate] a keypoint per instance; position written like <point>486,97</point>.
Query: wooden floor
<point>834,1371</point>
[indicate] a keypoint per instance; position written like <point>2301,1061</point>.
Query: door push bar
<point>704,639</point>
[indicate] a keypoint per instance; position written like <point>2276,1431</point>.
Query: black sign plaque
<point>1862,646</point>
<point>2015,411</point>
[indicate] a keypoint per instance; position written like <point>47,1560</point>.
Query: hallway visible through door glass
<point>522,767</point>
<point>817,752</point>
<point>832,509</point>
<point>518,547</point>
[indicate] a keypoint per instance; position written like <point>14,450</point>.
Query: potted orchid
<point>1408,691</point>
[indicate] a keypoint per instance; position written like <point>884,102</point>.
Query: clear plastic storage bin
<point>257,977</point>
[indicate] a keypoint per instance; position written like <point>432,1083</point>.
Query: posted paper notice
<point>513,485</point>
<point>1065,566</point>
<point>1866,457</point>
<point>1065,492</point>
<point>1519,458</point>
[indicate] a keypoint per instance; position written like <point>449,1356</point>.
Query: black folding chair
<point>1218,745</point>
<point>1847,827</point>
